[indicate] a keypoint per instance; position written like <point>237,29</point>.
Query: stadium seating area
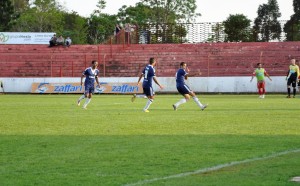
<point>204,59</point>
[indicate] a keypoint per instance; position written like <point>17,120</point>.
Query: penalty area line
<point>214,168</point>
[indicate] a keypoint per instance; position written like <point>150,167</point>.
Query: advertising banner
<point>67,88</point>
<point>25,37</point>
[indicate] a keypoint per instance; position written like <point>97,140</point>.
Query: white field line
<point>214,168</point>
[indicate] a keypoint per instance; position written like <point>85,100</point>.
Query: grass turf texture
<point>49,140</point>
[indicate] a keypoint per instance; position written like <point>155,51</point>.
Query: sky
<point>211,10</point>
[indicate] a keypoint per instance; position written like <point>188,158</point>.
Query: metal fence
<point>178,33</point>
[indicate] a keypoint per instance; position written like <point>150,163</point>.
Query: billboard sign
<point>25,37</point>
<point>69,88</point>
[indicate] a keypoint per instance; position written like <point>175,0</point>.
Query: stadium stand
<point>204,59</point>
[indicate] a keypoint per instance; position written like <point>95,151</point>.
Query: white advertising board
<point>25,37</point>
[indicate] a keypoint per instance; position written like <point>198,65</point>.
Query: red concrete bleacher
<point>204,60</point>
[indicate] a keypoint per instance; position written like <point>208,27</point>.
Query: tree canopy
<point>266,25</point>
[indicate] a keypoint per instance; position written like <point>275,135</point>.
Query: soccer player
<point>90,74</point>
<point>181,75</point>
<point>260,74</point>
<point>292,78</point>
<point>149,76</point>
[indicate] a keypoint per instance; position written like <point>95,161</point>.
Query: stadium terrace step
<point>206,59</point>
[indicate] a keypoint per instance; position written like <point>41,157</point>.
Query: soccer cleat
<point>294,96</point>
<point>78,102</point>
<point>288,97</point>
<point>146,110</point>
<point>263,96</point>
<point>174,107</point>
<point>260,97</point>
<point>133,97</point>
<point>204,107</point>
<point>84,108</point>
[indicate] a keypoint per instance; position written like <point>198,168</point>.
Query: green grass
<point>48,140</point>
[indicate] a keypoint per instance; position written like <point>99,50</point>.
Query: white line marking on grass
<point>214,168</point>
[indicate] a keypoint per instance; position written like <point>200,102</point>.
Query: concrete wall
<point>240,84</point>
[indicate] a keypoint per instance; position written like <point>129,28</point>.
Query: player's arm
<point>81,79</point>
<point>298,74</point>
<point>186,73</point>
<point>141,76</point>
<point>156,81</point>
<point>253,74</point>
<point>266,74</point>
<point>287,75</point>
<point>97,80</point>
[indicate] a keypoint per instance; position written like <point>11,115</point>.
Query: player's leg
<point>263,90</point>
<point>89,97</point>
<point>85,94</point>
<point>150,95</point>
<point>289,82</point>
<point>182,101</point>
<point>259,89</point>
<point>294,88</point>
<point>197,101</point>
<point>299,86</point>
<point>134,96</point>
<point>185,92</point>
<point>81,98</point>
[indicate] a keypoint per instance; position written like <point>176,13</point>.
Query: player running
<point>260,74</point>
<point>149,75</point>
<point>90,74</point>
<point>183,89</point>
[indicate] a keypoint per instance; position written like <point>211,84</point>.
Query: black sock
<point>294,91</point>
<point>289,91</point>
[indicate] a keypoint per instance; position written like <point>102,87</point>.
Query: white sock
<point>81,97</point>
<point>180,102</point>
<point>87,101</point>
<point>148,104</point>
<point>197,102</point>
<point>141,96</point>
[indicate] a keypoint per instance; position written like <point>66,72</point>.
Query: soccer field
<point>238,140</point>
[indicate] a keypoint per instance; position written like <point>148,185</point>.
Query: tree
<point>161,17</point>
<point>167,11</point>
<point>266,25</point>
<point>292,26</point>
<point>6,15</point>
<point>42,16</point>
<point>100,25</point>
<point>20,5</point>
<point>237,28</point>
<point>76,27</point>
<point>138,14</point>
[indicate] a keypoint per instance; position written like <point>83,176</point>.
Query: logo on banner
<point>101,89</point>
<point>3,38</point>
<point>42,88</point>
<point>66,88</point>
<point>125,88</point>
<point>105,87</point>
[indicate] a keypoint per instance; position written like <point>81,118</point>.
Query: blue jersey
<point>180,76</point>
<point>90,76</point>
<point>149,73</point>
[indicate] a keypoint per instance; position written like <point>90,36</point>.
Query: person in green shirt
<point>292,77</point>
<point>260,74</point>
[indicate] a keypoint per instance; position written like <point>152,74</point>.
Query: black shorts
<point>89,89</point>
<point>292,81</point>
<point>184,89</point>
<point>148,91</point>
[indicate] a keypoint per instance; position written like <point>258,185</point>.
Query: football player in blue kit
<point>90,74</point>
<point>149,75</point>
<point>181,75</point>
